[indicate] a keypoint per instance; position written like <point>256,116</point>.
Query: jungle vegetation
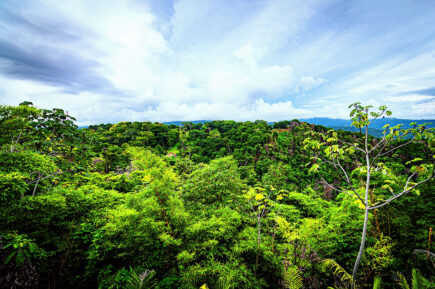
<point>221,204</point>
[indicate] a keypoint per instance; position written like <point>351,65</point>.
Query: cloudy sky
<point>162,60</point>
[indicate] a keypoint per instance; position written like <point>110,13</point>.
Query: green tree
<point>332,150</point>
<point>16,124</point>
<point>34,166</point>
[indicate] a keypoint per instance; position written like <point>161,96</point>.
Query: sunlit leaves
<point>21,247</point>
<point>314,168</point>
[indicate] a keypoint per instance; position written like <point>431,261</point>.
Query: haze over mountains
<point>345,124</point>
<point>377,124</point>
<point>337,124</point>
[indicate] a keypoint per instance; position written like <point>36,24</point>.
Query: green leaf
<point>314,168</point>
<point>9,257</point>
<point>259,197</point>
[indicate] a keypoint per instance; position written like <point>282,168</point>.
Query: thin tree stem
<point>258,244</point>
<point>366,214</point>
<point>361,248</point>
<point>36,185</point>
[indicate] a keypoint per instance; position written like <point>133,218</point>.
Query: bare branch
<point>42,178</point>
<point>380,151</point>
<point>378,144</point>
<point>16,142</point>
<point>342,173</point>
<point>265,205</point>
<point>253,210</point>
<point>407,181</point>
<point>405,191</point>
<point>351,144</point>
<point>346,177</point>
<point>342,191</point>
<point>383,111</point>
<point>388,142</point>
<point>36,185</point>
<point>335,165</point>
<point>391,191</point>
<point>395,148</point>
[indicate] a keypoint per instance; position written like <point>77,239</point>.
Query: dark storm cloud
<point>42,26</point>
<point>50,65</point>
<point>40,48</point>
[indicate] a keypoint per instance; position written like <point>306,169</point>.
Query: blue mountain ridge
<point>335,122</point>
<point>377,124</point>
<point>376,128</point>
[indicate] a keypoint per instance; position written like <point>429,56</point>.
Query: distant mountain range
<point>377,124</point>
<point>344,124</point>
<point>179,122</point>
<point>336,122</point>
<point>375,129</point>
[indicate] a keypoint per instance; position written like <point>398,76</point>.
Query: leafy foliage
<point>221,204</point>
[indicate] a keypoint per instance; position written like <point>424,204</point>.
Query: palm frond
<point>292,278</point>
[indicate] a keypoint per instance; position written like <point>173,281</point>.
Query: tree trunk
<point>36,185</point>
<point>361,248</point>
<point>258,244</point>
<point>366,214</point>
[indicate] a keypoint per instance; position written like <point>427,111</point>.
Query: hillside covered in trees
<point>221,204</point>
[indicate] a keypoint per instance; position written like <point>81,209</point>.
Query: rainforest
<point>221,204</point>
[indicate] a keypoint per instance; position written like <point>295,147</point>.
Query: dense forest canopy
<point>221,204</point>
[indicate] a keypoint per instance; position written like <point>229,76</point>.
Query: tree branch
<point>378,144</point>
<point>405,191</point>
<point>344,176</point>
<point>393,149</point>
<point>387,142</point>
<point>342,191</point>
<point>351,144</point>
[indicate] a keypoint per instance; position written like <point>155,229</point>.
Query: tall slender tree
<point>341,154</point>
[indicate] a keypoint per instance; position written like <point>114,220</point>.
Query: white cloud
<point>220,59</point>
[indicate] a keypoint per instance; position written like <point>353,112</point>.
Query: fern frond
<point>402,281</point>
<point>415,279</point>
<point>225,282</point>
<point>337,270</point>
<point>292,278</point>
<point>424,253</point>
<point>377,282</point>
<point>145,280</point>
<point>418,281</point>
